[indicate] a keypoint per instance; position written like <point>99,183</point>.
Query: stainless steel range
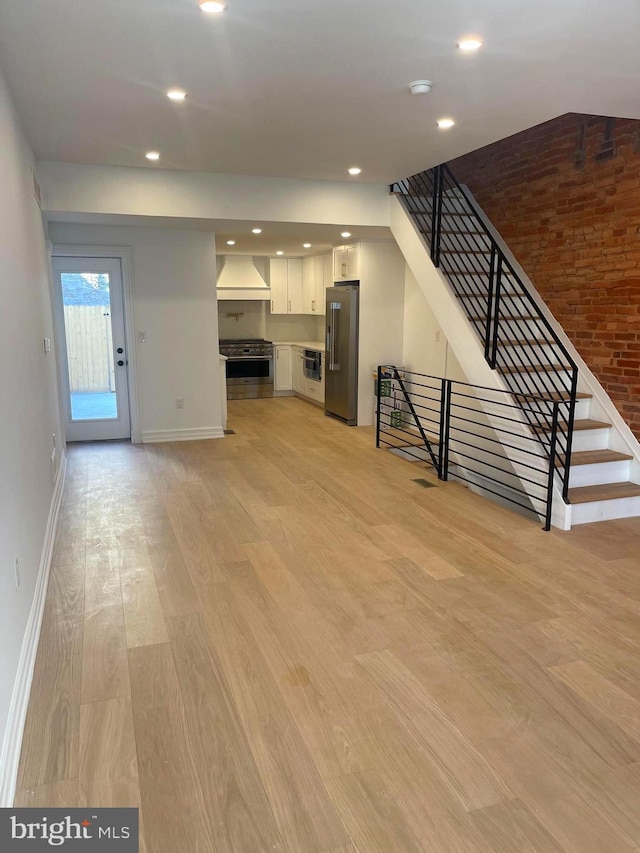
<point>249,368</point>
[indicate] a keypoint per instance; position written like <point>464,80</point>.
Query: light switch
<point>142,337</point>
<point>47,344</point>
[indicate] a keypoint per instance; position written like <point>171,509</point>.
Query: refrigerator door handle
<point>334,308</point>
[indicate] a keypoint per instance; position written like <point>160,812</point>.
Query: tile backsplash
<point>254,320</point>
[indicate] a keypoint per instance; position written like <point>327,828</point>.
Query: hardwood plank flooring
<point>278,641</point>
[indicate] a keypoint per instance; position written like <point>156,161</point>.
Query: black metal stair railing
<point>471,433</point>
<point>518,340</point>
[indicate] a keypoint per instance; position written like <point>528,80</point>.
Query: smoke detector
<point>420,87</point>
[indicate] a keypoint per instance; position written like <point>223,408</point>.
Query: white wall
<point>422,352</point>
<point>382,273</point>
<point>29,415</point>
<point>159,192</point>
<point>258,322</point>
<point>173,281</point>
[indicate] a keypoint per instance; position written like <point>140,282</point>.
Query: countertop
<point>319,345</point>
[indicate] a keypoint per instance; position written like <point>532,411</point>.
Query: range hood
<point>239,279</point>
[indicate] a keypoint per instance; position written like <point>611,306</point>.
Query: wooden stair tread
<point>531,368</point>
<point>481,295</point>
<point>555,396</point>
<point>584,423</point>
<point>606,492</point>
<point>597,457</point>
<point>503,319</point>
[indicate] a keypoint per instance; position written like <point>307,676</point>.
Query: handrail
<point>483,277</point>
<point>470,442</point>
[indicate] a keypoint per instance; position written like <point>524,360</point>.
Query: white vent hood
<point>239,279</point>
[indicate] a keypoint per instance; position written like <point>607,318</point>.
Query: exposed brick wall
<point>570,213</point>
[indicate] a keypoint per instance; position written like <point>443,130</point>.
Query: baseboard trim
<point>154,436</point>
<point>12,743</point>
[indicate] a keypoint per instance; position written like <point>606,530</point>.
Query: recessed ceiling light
<point>231,242</point>
<point>176,94</point>
<point>306,245</point>
<point>346,234</point>
<point>355,170</point>
<point>469,44</point>
<point>445,123</point>
<point>279,252</point>
<point>256,230</point>
<point>212,7</point>
<point>152,155</point>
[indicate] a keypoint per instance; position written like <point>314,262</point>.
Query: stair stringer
<point>621,438</point>
<point>461,335</point>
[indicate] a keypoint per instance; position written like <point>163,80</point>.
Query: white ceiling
<point>306,88</point>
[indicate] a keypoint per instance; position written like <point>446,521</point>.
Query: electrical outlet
<point>438,334</point>
<point>16,569</point>
<point>142,337</point>
<point>47,345</point>
<point>179,402</point>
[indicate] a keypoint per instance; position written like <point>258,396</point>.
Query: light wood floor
<point>280,642</point>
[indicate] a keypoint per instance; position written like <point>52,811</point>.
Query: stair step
<point>606,492</point>
<point>555,396</point>
<point>583,424</point>
<point>539,341</point>
<point>483,317</point>
<point>458,231</point>
<point>484,273</point>
<point>597,457</point>
<point>532,368</point>
<point>482,295</point>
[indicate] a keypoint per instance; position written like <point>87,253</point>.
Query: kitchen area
<point>313,327</point>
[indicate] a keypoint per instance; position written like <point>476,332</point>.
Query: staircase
<point>595,466</point>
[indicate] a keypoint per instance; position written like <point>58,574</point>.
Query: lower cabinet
<point>283,368</point>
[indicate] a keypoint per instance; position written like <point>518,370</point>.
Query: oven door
<point>312,364</point>
<point>249,376</point>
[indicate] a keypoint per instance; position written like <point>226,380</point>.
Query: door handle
<point>119,350</point>
<point>335,307</point>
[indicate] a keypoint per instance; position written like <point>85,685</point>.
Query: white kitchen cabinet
<point>285,278</point>
<point>346,262</point>
<point>297,370</point>
<point>283,368</point>
<point>316,277</point>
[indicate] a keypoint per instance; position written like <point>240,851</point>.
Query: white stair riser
<point>605,510</point>
<point>599,474</point>
<point>590,439</point>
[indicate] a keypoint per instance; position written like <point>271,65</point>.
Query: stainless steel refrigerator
<point>341,362</point>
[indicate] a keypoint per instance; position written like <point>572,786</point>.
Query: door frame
<point>122,254</point>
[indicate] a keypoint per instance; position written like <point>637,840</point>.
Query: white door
<point>92,347</point>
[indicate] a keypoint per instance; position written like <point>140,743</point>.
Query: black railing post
<point>434,207</point>
<point>552,464</point>
<point>437,214</point>
<point>445,419</point>
<point>378,396</point>
<point>570,421</point>
<point>487,333</point>
<point>496,315</point>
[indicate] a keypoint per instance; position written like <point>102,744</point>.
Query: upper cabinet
<point>346,262</point>
<point>316,277</point>
<point>285,276</point>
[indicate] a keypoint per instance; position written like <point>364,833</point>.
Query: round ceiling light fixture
<point>176,94</point>
<point>279,252</point>
<point>445,123</point>
<point>346,234</point>
<point>256,230</point>
<point>420,87</point>
<point>306,245</point>
<point>212,7</point>
<point>231,242</point>
<point>354,170</point>
<point>469,44</point>
<point>152,155</point>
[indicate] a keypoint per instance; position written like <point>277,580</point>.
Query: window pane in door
<point>87,323</point>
